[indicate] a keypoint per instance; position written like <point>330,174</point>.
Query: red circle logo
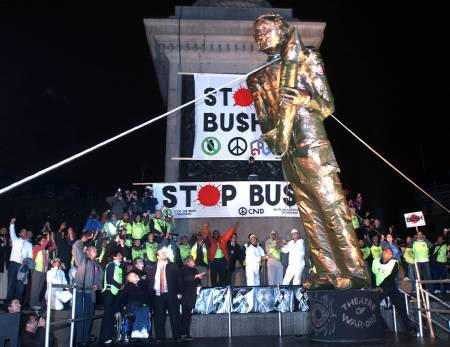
<point>208,195</point>
<point>243,97</point>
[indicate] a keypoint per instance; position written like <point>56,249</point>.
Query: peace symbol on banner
<point>237,146</point>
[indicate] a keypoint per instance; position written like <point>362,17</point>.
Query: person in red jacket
<point>218,256</point>
<point>45,245</point>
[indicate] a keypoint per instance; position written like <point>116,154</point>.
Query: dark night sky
<point>72,76</point>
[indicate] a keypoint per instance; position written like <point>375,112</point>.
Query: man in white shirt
<point>254,254</point>
<point>21,249</point>
<point>296,250</point>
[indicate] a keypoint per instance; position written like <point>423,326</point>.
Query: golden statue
<point>292,99</point>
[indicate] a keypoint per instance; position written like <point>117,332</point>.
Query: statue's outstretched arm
<point>321,98</point>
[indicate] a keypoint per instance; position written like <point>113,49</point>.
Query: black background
<point>73,74</point>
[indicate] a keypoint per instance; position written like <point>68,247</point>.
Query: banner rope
<point>389,164</point>
<point>153,120</point>
<point>112,139</point>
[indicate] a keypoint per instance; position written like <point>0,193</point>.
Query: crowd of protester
<point>132,256</point>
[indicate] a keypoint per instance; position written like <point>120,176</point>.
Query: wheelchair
<point>124,327</point>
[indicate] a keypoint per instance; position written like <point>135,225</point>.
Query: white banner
<point>227,199</point>
<point>414,219</point>
<point>226,125</point>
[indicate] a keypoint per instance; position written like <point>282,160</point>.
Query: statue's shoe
<point>318,283</point>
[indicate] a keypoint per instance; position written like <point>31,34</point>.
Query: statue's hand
<point>292,96</point>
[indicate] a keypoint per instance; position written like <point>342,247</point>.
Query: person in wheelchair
<point>134,299</point>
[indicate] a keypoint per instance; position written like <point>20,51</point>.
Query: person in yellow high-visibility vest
<point>408,256</point>
<point>274,266</point>
<point>199,253</point>
<point>112,284</point>
<point>421,250</point>
<point>39,273</point>
<point>385,271</point>
<point>439,265</point>
<point>185,249</point>
<point>150,248</point>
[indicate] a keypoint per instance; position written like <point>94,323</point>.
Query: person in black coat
<point>191,282</point>
<point>235,252</point>
<point>165,287</point>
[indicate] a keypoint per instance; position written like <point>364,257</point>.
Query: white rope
<point>101,144</point>
<point>389,164</point>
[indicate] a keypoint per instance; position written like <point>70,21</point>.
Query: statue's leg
<point>321,251</point>
<point>325,214</point>
<point>337,219</point>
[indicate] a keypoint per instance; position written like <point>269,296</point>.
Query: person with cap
<point>296,250</point>
<point>56,276</point>
<point>254,255</point>
<point>274,266</point>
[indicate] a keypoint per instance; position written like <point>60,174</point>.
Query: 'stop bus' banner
<point>226,124</point>
<point>227,199</point>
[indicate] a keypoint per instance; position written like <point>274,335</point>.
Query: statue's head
<point>271,30</point>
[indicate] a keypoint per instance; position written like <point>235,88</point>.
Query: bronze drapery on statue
<point>292,99</point>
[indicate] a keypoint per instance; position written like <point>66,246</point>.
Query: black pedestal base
<point>345,316</point>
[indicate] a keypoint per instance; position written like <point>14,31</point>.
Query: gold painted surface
<point>292,99</point>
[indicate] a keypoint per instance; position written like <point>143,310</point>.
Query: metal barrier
<point>423,308</point>
<point>72,319</point>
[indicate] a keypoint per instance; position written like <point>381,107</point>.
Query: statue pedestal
<point>345,316</point>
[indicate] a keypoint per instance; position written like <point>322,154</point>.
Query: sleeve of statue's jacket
<point>322,99</point>
<point>265,118</point>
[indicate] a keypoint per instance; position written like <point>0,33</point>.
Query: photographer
<point>134,205</point>
<point>32,332</point>
<point>149,202</point>
<point>117,203</point>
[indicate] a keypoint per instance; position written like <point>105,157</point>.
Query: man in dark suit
<point>165,286</point>
<point>191,283</point>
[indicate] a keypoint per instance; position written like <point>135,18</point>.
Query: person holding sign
<point>421,252</point>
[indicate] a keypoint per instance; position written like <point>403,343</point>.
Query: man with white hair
<point>296,250</point>
<point>253,257</point>
<point>274,266</point>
